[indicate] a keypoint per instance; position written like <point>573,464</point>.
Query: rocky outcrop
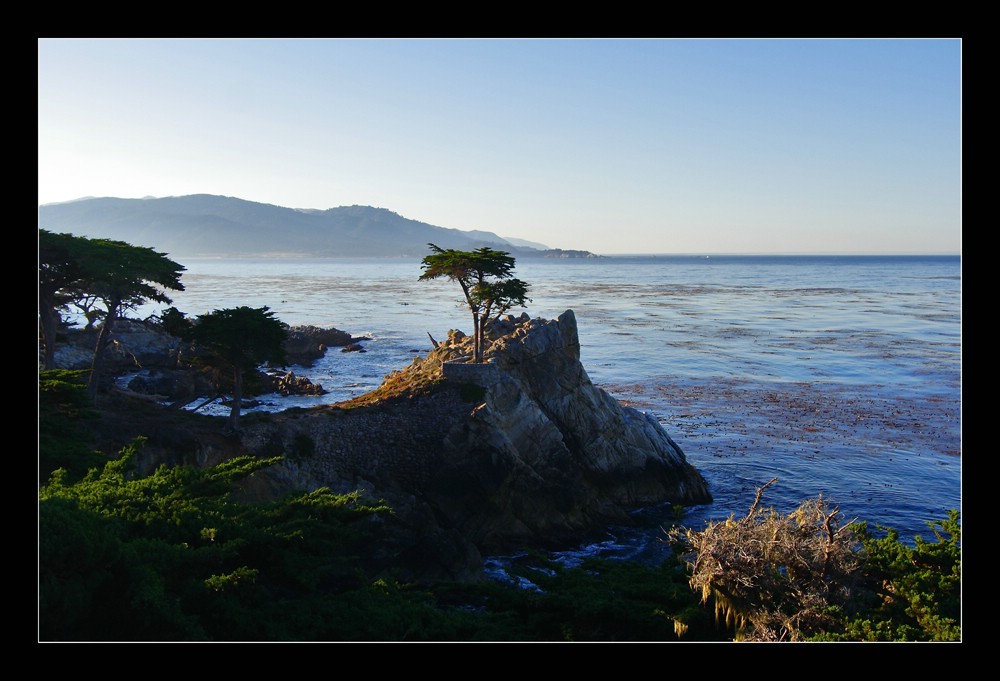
<point>163,366</point>
<point>287,383</point>
<point>306,344</point>
<point>572,458</point>
<point>523,450</point>
<point>134,345</point>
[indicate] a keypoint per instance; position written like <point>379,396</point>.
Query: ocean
<point>840,376</point>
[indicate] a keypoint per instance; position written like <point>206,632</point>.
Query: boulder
<point>172,385</point>
<point>289,384</point>
<point>134,345</point>
<point>306,344</point>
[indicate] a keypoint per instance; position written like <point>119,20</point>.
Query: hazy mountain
<point>524,243</point>
<point>207,225</point>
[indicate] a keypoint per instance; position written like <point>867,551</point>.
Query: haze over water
<point>839,375</point>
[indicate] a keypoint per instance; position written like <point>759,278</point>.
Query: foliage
<point>64,411</point>
<point>60,282</point>
<point>240,338</point>
<point>807,576</point>
<point>909,593</point>
<point>174,322</point>
<point>172,556</point>
<point>175,556</point>
<point>118,275</point>
<point>487,281</point>
<point>124,276</point>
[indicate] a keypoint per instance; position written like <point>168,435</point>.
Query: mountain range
<point>205,225</point>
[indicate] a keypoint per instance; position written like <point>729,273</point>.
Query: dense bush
<point>170,556</point>
<point>807,576</point>
<point>64,410</point>
<point>908,593</point>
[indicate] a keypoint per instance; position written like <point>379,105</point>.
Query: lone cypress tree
<point>487,281</point>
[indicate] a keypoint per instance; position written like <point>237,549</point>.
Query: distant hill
<point>208,225</point>
<point>524,243</point>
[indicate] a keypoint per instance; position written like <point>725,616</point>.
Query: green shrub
<point>470,392</point>
<point>171,556</point>
<point>64,414</point>
<point>909,593</point>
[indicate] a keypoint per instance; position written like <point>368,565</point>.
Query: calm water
<point>838,375</point>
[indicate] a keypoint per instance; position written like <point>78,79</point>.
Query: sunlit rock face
<point>549,454</point>
<point>523,450</point>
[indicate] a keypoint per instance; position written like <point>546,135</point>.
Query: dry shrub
<point>774,577</point>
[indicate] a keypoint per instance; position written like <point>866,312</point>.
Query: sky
<point>615,146</point>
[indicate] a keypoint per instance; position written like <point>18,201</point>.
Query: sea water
<point>839,376</point>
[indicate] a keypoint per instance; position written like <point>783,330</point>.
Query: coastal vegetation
<point>178,554</point>
<point>810,576</point>
<point>81,272</point>
<point>239,339</point>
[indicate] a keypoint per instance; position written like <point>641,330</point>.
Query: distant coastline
<point>204,225</point>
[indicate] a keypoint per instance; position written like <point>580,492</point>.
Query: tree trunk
<point>477,340</point>
<point>483,324</point>
<point>103,339</point>
<point>49,321</point>
<point>234,414</point>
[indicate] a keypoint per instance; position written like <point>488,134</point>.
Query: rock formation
<point>520,451</point>
<point>306,344</point>
<point>160,365</point>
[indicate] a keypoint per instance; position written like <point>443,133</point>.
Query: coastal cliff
<point>520,451</point>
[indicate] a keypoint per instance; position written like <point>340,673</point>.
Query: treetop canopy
<point>467,266</point>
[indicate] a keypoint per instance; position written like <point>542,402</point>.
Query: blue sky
<point>613,146</point>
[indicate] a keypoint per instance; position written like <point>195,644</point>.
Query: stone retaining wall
<point>483,375</point>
